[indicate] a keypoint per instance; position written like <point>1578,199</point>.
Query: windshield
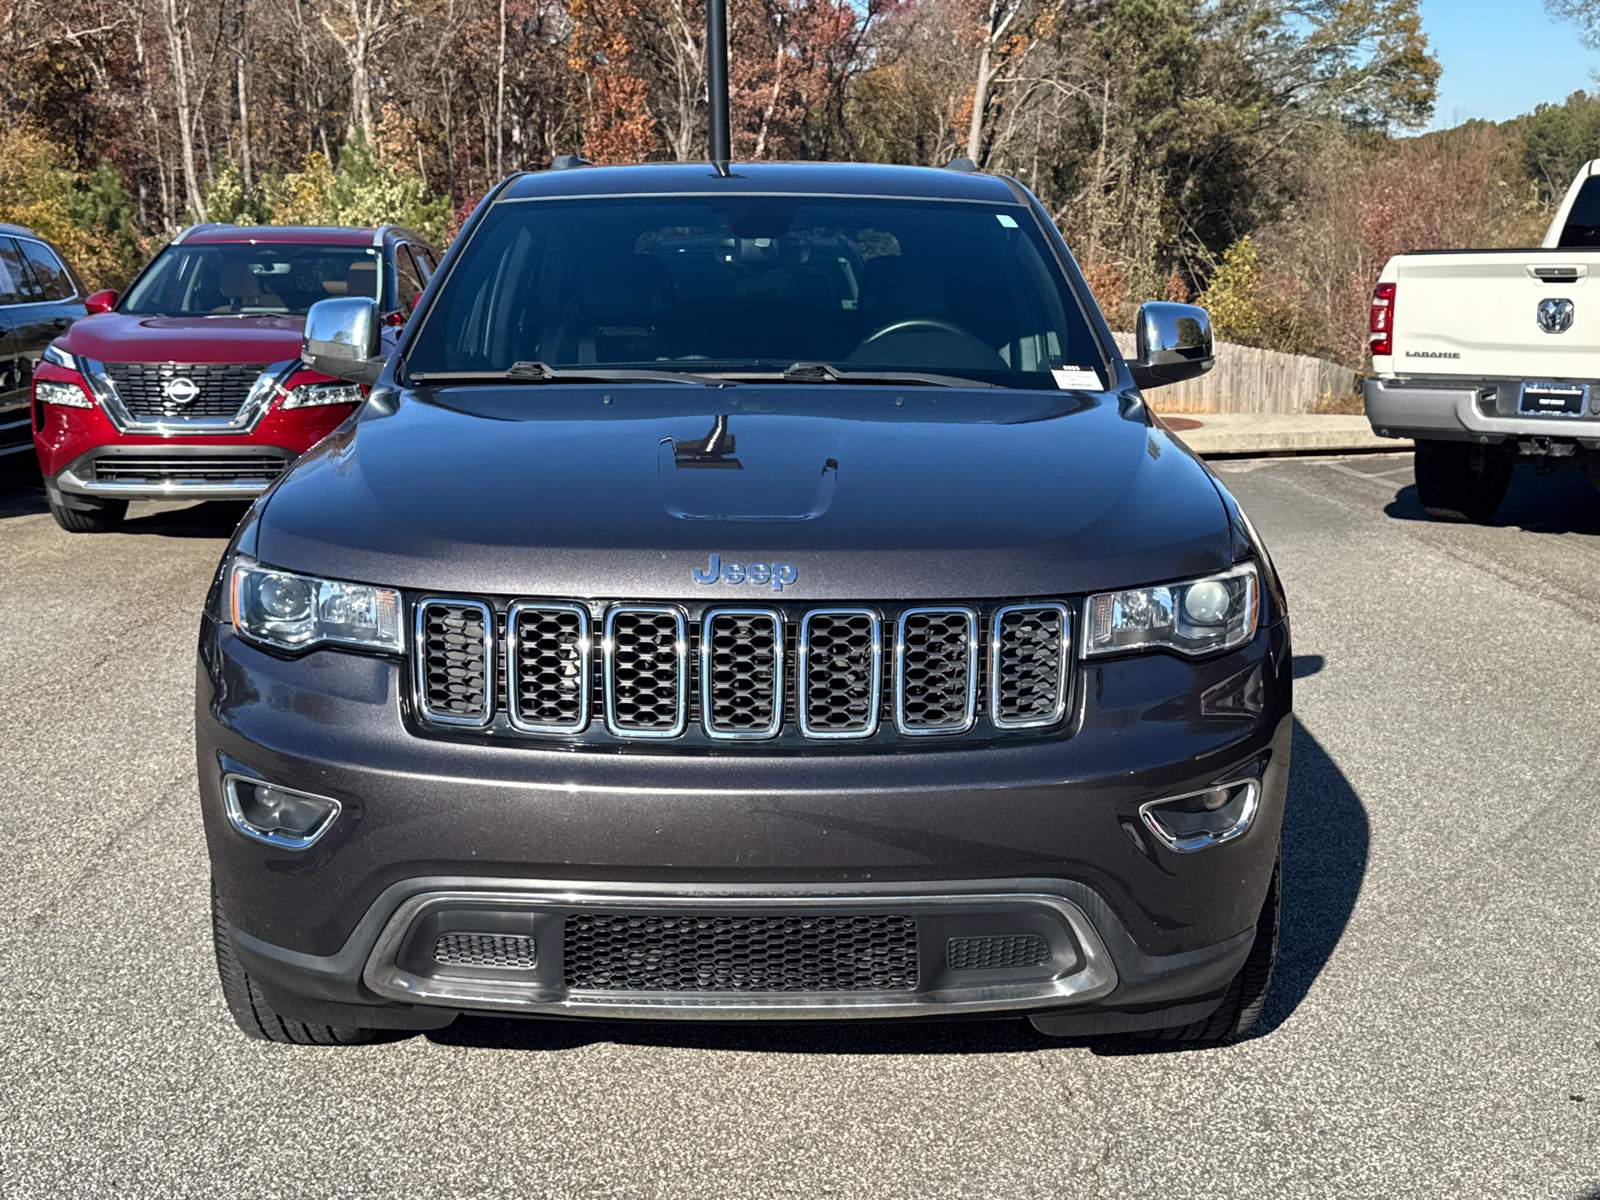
<point>757,284</point>
<point>238,278</point>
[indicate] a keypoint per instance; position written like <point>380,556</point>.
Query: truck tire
<point>1458,482</point>
<point>1248,992</point>
<point>250,1009</point>
<point>97,516</point>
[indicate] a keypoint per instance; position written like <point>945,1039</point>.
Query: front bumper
<point>1042,837</point>
<point>1469,410</point>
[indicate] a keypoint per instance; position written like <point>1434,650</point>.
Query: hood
<point>871,493</point>
<point>115,337</point>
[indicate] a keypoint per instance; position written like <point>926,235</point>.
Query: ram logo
<point>1555,316</point>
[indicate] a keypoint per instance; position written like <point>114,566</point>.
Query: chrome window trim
<point>282,841</point>
<point>255,404</point>
<point>971,715</point>
<point>45,246</point>
<point>585,665</point>
<point>419,661</point>
<point>876,703</point>
<point>1063,666</point>
<point>776,725</point>
<point>682,656</point>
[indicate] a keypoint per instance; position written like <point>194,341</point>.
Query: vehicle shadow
<point>21,486</point>
<point>1325,851</point>
<point>1563,502</point>
<point>208,519</point>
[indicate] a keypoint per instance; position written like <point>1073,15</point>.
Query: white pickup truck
<point>1490,357</point>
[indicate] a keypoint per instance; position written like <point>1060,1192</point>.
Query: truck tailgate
<point>1476,313</point>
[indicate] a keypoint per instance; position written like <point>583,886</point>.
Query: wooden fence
<point>1247,380</point>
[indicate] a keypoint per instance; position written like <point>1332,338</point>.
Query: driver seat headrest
<point>628,290</point>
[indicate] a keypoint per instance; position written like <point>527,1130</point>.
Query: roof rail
<point>188,229</point>
<point>566,162</point>
<point>963,164</point>
<point>377,234</point>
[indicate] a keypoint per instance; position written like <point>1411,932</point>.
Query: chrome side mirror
<point>341,339</point>
<point>1175,344</point>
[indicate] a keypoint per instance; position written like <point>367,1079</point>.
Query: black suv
<point>747,594</point>
<point>39,297</point>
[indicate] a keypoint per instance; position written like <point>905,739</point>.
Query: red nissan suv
<point>190,384</point>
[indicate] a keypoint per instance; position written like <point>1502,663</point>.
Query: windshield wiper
<point>538,372</point>
<point>821,372</point>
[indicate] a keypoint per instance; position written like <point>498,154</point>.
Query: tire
<point>1248,992</point>
<point>250,1009</point>
<point>103,517</point>
<point>1460,483</point>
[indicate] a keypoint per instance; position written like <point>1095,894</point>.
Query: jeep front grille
<point>936,671</point>
<point>453,657</point>
<point>647,952</point>
<point>741,673</point>
<point>647,671</point>
<point>220,388</point>
<point>1027,680</point>
<point>783,674</point>
<point>548,652</point>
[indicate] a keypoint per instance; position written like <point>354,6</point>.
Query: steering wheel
<point>929,323</point>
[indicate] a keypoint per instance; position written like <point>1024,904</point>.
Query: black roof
<point>784,178</point>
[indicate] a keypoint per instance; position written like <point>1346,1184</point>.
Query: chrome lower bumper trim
<point>180,489</point>
<point>1396,408</point>
<point>1083,972</point>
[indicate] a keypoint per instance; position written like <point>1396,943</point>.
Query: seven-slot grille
<point>648,952</point>
<point>626,672</point>
<point>221,388</point>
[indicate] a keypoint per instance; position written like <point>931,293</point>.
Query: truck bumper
<point>1482,411</point>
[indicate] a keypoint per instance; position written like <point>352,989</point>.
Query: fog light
<point>1200,819</point>
<point>276,815</point>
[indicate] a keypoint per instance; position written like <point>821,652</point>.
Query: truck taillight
<point>1380,320</point>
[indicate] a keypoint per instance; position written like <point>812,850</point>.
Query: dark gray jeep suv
<point>747,594</point>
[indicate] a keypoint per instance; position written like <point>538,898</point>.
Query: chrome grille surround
<point>571,672</point>
<point>447,657</point>
<point>731,675</point>
<point>998,652</point>
<point>954,677</point>
<point>240,418</point>
<point>620,668</point>
<point>811,672</point>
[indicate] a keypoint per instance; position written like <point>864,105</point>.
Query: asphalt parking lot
<point>1433,1030</point>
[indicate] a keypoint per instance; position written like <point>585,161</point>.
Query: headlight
<point>68,395</point>
<point>293,611</point>
<point>55,355</point>
<point>313,395</point>
<point>1218,612</point>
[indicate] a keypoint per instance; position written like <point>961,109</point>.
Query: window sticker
<point>1008,222</point>
<point>1076,379</point>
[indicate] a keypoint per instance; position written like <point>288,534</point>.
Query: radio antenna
<point>717,84</point>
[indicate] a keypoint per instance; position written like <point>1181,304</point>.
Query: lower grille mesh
<point>511,951</point>
<point>997,953</point>
<point>653,953</point>
<point>222,469</point>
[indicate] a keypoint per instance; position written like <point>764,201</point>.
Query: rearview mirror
<point>341,339</point>
<point>101,301</point>
<point>1175,344</point>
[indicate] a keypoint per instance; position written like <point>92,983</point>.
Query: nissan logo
<point>182,391</point>
<point>1555,316</point>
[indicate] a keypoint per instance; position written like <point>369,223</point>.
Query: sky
<point>1501,58</point>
